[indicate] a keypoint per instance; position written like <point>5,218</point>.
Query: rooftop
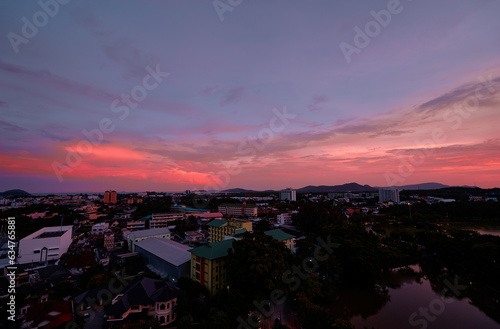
<point>173,252</point>
<point>188,209</point>
<point>213,250</point>
<point>237,205</point>
<point>150,232</point>
<point>279,235</point>
<point>45,235</point>
<point>217,223</point>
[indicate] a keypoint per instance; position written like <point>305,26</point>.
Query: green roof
<point>217,223</point>
<point>213,250</point>
<point>238,205</point>
<point>240,231</point>
<point>279,235</point>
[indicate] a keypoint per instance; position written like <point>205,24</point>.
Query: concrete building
<point>134,237</point>
<point>110,197</point>
<point>45,245</point>
<point>288,194</point>
<point>163,220</point>
<point>220,228</point>
<point>386,195</point>
<point>285,218</point>
<point>109,240</point>
<point>166,258</point>
<point>193,236</point>
<point>236,209</point>
<point>208,265</point>
<point>99,228</point>
<point>133,225</point>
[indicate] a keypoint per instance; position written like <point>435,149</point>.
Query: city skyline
<point>175,96</point>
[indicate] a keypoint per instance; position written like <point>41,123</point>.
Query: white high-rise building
<point>386,195</point>
<point>288,194</point>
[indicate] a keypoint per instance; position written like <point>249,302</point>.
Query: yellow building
<point>219,228</point>
<point>281,236</point>
<point>208,265</point>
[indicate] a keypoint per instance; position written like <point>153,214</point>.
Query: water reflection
<point>420,297</point>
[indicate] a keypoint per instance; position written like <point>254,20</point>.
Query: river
<point>411,301</point>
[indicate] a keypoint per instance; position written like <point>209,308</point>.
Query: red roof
<point>56,312</point>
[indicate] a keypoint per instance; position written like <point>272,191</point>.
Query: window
<point>168,318</point>
<point>217,269</point>
<point>162,307</point>
<point>36,251</point>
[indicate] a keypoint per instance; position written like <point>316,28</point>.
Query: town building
<point>285,218</point>
<point>133,225</point>
<point>387,195</point>
<point>48,314</point>
<point>165,219</point>
<point>167,258</point>
<point>220,228</point>
<point>285,238</point>
<point>99,228</point>
<point>236,209</point>
<point>193,236</point>
<point>142,299</point>
<point>208,265</point>
<point>134,237</point>
<point>109,240</point>
<point>110,197</point>
<point>45,245</point>
<point>288,194</point>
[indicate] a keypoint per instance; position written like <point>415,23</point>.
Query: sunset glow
<point>263,100</point>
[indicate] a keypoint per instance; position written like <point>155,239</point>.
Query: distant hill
<point>238,190</point>
<point>14,193</point>
<point>423,186</point>
<point>350,187</point>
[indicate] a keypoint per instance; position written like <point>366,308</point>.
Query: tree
<point>262,225</point>
<point>217,319</point>
<point>257,264</point>
<point>63,289</point>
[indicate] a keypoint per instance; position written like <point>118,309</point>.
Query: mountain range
<point>350,187</point>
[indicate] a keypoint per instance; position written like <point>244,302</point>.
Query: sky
<point>175,95</point>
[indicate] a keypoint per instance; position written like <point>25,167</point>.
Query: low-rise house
<point>145,298</point>
<point>50,314</point>
<point>99,228</point>
<point>193,236</point>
